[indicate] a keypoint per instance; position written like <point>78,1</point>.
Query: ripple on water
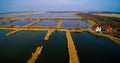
<point>93,49</point>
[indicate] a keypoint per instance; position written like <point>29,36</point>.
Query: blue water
<point>75,23</point>
<point>51,15</point>
<point>19,47</point>
<point>22,22</point>
<point>16,23</point>
<point>93,49</point>
<point>55,49</point>
<point>65,23</point>
<point>47,23</point>
<point>3,21</point>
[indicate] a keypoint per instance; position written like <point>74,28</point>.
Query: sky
<point>59,5</point>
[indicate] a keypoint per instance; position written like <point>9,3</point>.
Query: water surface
<point>19,47</point>
<point>93,49</point>
<point>51,23</point>
<point>52,15</point>
<point>75,23</point>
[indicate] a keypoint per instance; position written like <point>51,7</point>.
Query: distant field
<point>110,15</point>
<point>16,14</point>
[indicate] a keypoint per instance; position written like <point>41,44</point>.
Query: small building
<point>96,28</point>
<point>108,29</point>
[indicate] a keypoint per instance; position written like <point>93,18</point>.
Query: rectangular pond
<point>19,47</point>
<point>75,23</point>
<point>52,15</point>
<point>90,49</point>
<point>22,22</point>
<point>51,23</point>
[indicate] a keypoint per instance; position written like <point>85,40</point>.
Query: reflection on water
<point>74,23</point>
<point>17,23</point>
<point>22,22</point>
<point>96,49</point>
<point>65,23</point>
<point>55,49</point>
<point>47,23</point>
<point>52,15</point>
<point>19,47</point>
<point>3,23</point>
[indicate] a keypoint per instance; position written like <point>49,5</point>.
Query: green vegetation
<point>115,39</point>
<point>91,22</point>
<point>109,15</point>
<point>103,21</point>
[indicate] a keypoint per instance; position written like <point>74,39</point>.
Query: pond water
<point>65,23</point>
<point>47,23</point>
<point>16,23</point>
<point>52,15</point>
<point>75,23</point>
<point>3,20</point>
<point>19,47</point>
<point>3,23</point>
<point>22,22</point>
<point>93,49</point>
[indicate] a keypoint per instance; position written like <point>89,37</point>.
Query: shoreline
<point>100,34</point>
<point>115,39</point>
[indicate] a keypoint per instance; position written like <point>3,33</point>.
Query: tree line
<point>103,21</point>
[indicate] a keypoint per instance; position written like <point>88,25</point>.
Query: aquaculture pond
<point>52,15</point>
<point>19,47</point>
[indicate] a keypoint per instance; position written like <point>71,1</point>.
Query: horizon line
<point>60,11</point>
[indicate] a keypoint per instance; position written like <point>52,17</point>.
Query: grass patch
<point>109,15</point>
<point>91,22</point>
